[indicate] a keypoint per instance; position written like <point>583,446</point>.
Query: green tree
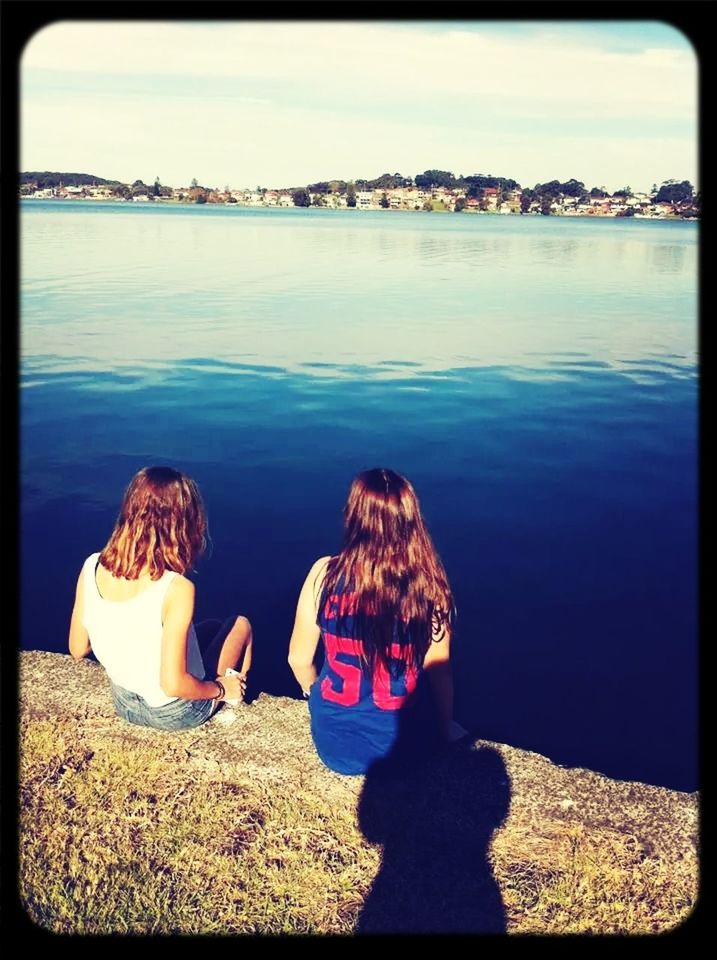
<point>573,188</point>
<point>301,198</point>
<point>476,183</point>
<point>434,178</point>
<point>194,183</point>
<point>460,205</point>
<point>157,188</point>
<point>673,192</point>
<point>384,201</point>
<point>428,206</point>
<point>387,181</point>
<point>351,195</point>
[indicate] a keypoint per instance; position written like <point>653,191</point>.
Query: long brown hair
<point>388,562</point>
<point>162,525</point>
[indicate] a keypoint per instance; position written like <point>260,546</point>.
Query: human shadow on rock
<point>435,819</point>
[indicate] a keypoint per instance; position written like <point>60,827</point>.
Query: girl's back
<point>125,620</point>
<point>355,709</point>
<point>383,609</point>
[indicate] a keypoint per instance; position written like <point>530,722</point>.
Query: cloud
<point>286,103</point>
<point>376,60</point>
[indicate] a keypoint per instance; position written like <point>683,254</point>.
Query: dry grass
<point>576,881</point>
<point>122,836</point>
<point>121,841</point>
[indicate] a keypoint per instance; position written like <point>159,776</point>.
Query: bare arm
<point>79,642</point>
<point>437,664</point>
<point>173,676</point>
<point>306,633</point>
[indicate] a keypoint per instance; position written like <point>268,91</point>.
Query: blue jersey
<point>354,714</point>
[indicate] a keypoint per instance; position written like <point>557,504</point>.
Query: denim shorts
<point>177,715</point>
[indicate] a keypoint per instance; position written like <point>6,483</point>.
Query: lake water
<point>535,377</point>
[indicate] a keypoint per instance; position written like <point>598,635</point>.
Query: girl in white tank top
<point>134,606</point>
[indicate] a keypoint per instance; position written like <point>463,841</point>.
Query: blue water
<point>536,378</point>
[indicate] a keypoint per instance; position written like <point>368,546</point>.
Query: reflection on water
<point>535,378</point>
<point>668,258</point>
<point>114,286</point>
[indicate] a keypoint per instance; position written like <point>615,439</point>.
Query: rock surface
<point>269,740</point>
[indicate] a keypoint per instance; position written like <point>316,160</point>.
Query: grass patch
<point>591,882</point>
<point>119,835</point>
<point>125,840</point>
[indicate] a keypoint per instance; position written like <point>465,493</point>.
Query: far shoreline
<point>494,214</point>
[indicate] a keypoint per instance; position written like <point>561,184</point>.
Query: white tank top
<point>126,635</point>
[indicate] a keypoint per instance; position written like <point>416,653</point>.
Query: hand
<point>234,685</point>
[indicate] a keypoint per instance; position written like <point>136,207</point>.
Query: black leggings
<point>211,635</point>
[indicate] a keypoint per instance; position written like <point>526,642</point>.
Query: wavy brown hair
<point>162,525</point>
<point>388,562</point>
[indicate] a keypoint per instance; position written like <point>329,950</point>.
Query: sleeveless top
<point>354,715</point>
<point>126,635</point>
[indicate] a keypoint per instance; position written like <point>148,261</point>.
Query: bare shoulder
<point>317,573</point>
<point>181,590</point>
<point>320,566</point>
<point>313,583</point>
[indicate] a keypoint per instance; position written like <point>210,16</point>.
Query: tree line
<point>680,194</point>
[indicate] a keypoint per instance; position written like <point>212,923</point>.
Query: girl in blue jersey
<point>383,610</point>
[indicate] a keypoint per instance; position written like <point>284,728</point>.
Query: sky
<point>281,103</point>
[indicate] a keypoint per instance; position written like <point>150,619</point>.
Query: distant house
<point>285,200</point>
<point>600,206</point>
<point>411,199</point>
<point>491,195</point>
<point>364,199</point>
